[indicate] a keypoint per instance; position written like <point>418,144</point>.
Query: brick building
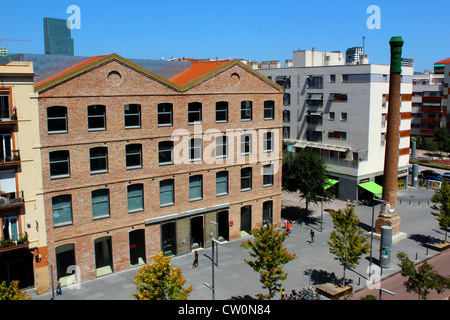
<point>134,164</point>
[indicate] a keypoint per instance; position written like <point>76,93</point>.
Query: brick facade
<point>115,84</point>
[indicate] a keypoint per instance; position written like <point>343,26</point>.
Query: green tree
<point>442,139</point>
<point>305,172</point>
<point>422,280</point>
<point>431,146</point>
<point>267,247</point>
<point>160,281</point>
<point>441,205</point>
<point>12,292</point>
<point>347,241</point>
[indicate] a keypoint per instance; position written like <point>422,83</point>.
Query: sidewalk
<point>234,279</point>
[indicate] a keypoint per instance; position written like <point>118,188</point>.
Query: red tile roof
<point>196,70</point>
<point>79,65</point>
<point>443,61</point>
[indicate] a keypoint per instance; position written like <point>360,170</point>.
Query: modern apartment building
<point>134,163</point>
<point>341,112</point>
<point>22,234</point>
<point>443,67</point>
<point>427,113</point>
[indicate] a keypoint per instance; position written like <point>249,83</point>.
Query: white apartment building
<point>427,113</point>
<point>341,111</point>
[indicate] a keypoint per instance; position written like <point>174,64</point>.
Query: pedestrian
<point>288,227</point>
<point>283,294</point>
<point>195,264</point>
<point>58,288</point>
<point>294,294</point>
<point>312,236</point>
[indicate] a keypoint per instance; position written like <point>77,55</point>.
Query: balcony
<point>8,201</point>
<point>10,122</point>
<point>12,160</point>
<point>16,241</point>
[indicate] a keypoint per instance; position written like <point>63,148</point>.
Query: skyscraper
<point>57,37</point>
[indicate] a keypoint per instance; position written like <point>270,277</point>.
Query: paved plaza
<point>234,279</point>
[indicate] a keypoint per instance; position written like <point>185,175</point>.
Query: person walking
<point>312,236</point>
<point>195,264</point>
<point>58,288</point>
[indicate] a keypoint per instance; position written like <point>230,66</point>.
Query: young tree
<point>422,280</point>
<point>441,205</point>
<point>160,281</point>
<point>305,172</point>
<point>347,241</point>
<point>12,292</point>
<point>267,247</point>
<point>442,139</point>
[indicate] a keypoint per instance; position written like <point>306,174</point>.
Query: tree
<point>160,281</point>
<point>347,241</point>
<point>441,203</point>
<point>422,280</point>
<point>431,146</point>
<point>267,247</point>
<point>11,291</point>
<point>305,172</point>
<point>442,139</point>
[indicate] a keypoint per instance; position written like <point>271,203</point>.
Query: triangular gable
<point>197,76</point>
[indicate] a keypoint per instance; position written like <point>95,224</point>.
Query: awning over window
<point>314,96</point>
<point>309,144</point>
<point>372,187</point>
<point>330,183</point>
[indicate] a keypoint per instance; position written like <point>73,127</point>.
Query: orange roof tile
<point>443,61</point>
<point>196,70</point>
<point>83,63</point>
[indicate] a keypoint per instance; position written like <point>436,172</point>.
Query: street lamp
<point>212,285</point>
<point>371,233</point>
<point>321,214</point>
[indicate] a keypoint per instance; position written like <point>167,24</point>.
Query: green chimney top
<point>396,44</point>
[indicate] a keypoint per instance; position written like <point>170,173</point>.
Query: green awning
<point>371,186</point>
<point>330,183</point>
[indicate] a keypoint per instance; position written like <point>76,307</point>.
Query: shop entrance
<point>223,229</point>
<point>137,247</point>
<point>103,256</point>
<point>168,239</point>
<point>197,232</point>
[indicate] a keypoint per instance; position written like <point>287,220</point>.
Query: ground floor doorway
<point>197,232</point>
<point>168,239</point>
<point>17,265</point>
<point>246,220</point>
<point>103,256</point>
<point>223,228</point>
<point>137,247</point>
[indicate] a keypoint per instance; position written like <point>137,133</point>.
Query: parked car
<point>432,173</point>
<point>434,178</point>
<point>446,176</point>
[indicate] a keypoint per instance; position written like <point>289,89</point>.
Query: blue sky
<point>245,29</point>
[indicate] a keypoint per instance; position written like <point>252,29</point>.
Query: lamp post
<point>371,232</point>
<point>212,285</point>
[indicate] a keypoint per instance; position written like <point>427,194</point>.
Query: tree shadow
<point>245,297</point>
<point>299,215</point>
<point>365,226</point>
<point>424,239</point>
<point>321,276</point>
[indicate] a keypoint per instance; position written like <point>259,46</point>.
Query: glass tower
<point>57,37</point>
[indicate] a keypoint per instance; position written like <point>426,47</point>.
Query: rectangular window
<point>135,195</point>
<point>268,142</point>
<point>133,154</point>
<point>332,78</point>
<point>343,116</point>
<point>246,144</point>
<point>267,212</point>
<point>221,183</point>
<point>337,135</point>
<point>96,117</point>
<point>132,114</point>
<point>221,146</point>
<point>195,149</point>
<point>315,82</point>
<point>194,113</point>
<point>62,210</point>
<point>246,110</point>
<point>165,152</point>
<point>98,159</point>
<point>221,111</point>
<point>286,132</point>
<point>331,116</point>
<point>165,114</point>
<point>268,175</point>
<point>269,110</point>
<point>57,119</point>
<point>195,187</point>
<point>166,192</point>
<point>100,203</point>
<point>4,105</point>
<point>246,179</point>
<point>59,164</point>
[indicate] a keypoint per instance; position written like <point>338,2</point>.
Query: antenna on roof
<point>363,38</point>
